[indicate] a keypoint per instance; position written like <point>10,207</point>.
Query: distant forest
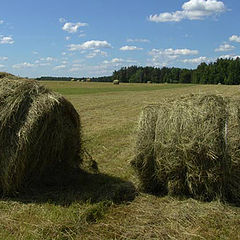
<point>224,71</point>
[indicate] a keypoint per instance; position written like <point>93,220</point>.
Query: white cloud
<point>138,40</point>
<point>23,65</point>
<point>67,38</point>
<point>130,48</point>
<point>234,38</point>
<point>73,27</point>
<point>1,21</point>
<point>93,44</point>
<point>192,10</point>
<point>60,67</point>
<point>48,59</point>
<point>2,66</point>
<point>104,68</point>
<point>119,61</point>
<point>35,52</point>
<point>196,60</point>
<point>173,52</point>
<point>3,58</point>
<point>224,48</point>
<point>166,56</point>
<point>6,40</point>
<point>96,52</point>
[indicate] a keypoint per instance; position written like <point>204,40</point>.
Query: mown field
<point>107,205</point>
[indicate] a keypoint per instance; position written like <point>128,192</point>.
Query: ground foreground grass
<point>106,205</point>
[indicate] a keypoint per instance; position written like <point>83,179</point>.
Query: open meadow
<point>108,205</point>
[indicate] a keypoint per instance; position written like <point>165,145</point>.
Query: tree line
<point>224,71</point>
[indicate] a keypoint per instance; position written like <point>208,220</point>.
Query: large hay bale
<point>7,75</point>
<point>182,148</point>
<point>39,134</point>
<point>233,143</point>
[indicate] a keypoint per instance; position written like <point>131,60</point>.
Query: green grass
<point>94,88</point>
<point>105,206</point>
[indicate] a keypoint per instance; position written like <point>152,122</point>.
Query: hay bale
<point>7,75</point>
<point>116,82</point>
<point>182,148</point>
<point>39,134</point>
<point>233,143</point>
<point>149,82</point>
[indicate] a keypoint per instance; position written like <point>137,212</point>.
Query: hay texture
<point>39,134</point>
<point>116,82</point>
<point>190,147</point>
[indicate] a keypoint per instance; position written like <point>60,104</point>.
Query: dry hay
<point>7,75</point>
<point>116,82</point>
<point>190,147</point>
<point>39,134</point>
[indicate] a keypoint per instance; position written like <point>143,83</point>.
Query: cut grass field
<point>105,206</point>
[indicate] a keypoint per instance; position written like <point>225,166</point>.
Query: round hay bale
<point>39,134</point>
<point>116,82</point>
<point>149,82</point>
<point>232,137</point>
<point>7,75</point>
<point>182,148</point>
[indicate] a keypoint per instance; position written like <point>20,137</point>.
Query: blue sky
<point>95,37</point>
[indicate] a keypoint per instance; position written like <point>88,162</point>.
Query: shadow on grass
<point>82,186</point>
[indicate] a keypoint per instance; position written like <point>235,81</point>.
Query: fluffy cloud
<point>173,52</point>
<point>224,48</point>
<point>6,40</point>
<point>119,61</point>
<point>192,10</point>
<point>234,38</point>
<point>2,66</point>
<point>196,60</point>
<point>130,48</point>
<point>3,58</point>
<point>96,52</point>
<point>164,57</point>
<point>1,21</point>
<point>73,27</point>
<point>93,44</point>
<point>48,59</point>
<point>23,65</point>
<point>138,40</point>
